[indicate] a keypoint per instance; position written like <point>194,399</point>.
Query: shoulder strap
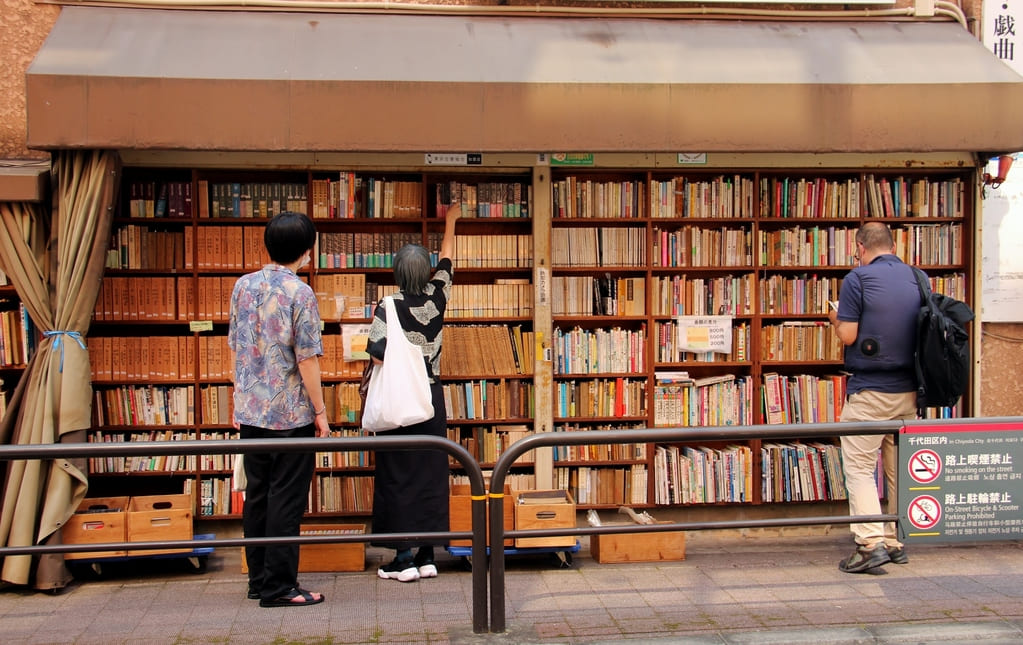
<point>922,284</point>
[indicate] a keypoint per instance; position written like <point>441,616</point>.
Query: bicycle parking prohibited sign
<point>924,466</point>
<point>924,512</point>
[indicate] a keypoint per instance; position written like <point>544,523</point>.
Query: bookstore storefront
<point>640,100</point>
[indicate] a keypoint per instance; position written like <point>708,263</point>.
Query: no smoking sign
<point>924,466</point>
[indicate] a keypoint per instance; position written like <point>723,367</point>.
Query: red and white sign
<point>924,512</point>
<point>924,466</point>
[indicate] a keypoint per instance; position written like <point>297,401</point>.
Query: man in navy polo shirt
<point>876,321</point>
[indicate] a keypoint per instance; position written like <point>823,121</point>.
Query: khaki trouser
<point>859,461</point>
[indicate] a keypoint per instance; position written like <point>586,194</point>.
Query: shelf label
<point>454,159</point>
<point>692,159</point>
<point>200,325</point>
<point>543,287</point>
<point>964,483</point>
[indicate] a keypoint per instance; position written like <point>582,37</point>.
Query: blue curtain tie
<point>76,336</point>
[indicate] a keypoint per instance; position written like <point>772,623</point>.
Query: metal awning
<point>210,80</point>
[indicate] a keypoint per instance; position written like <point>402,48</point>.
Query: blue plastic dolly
<point>197,557</point>
<point>562,555</point>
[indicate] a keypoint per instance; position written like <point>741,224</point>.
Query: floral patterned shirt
<point>275,324</point>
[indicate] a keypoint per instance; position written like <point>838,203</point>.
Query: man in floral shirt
<point>275,339</point>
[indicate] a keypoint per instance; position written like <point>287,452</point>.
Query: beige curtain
<point>58,281</point>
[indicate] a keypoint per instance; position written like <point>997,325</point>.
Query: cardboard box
<point>341,556</point>
<point>160,517</point>
<point>460,508</point>
<point>544,509</point>
<point>638,547</point>
<point>97,520</point>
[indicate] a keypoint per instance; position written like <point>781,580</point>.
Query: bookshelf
<point>672,297</point>
<point>182,237</point>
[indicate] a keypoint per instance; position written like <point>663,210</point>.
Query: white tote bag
<point>399,390</point>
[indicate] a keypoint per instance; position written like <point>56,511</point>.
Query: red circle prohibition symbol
<point>925,466</point>
<point>924,512</point>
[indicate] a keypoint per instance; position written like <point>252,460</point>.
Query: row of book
<point>217,497</point>
<point>576,197</point>
<point>597,296</point>
<point>343,493</point>
<point>722,197</point>
<point>593,351</point>
<point>800,340</point>
<point>489,399</point>
<point>487,443</point>
<point>345,458</point>
<point>803,398</point>
<point>800,294</point>
<point>152,199</point>
<point>612,397</point>
<point>682,295</point>
<point>801,472</point>
<point>598,247</point>
<point>137,246</point>
<point>606,486</point>
<point>599,452</point>
<point>809,198</point>
<point>18,336</point>
<point>487,350</point>
<point>136,464</point>
<point>144,405</point>
<point>703,475</point>
<point>699,246</point>
<point>909,197</point>
<point>248,200</point>
<point>235,248</point>
<point>350,195</point>
<point>817,246</point>
<point>683,401</point>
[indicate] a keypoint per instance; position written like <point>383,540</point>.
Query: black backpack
<point>942,354</point>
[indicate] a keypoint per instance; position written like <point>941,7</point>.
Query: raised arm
<point>447,245</point>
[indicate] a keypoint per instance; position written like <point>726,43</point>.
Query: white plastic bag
<point>399,390</point>
<point>238,480</point>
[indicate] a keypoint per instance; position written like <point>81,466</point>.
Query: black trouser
<point>275,499</point>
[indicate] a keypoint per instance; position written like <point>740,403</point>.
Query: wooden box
<point>544,509</point>
<point>97,520</point>
<point>159,517</point>
<point>460,508</point>
<point>339,556</point>
<point>638,547</point>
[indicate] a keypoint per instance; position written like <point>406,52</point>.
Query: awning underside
<point>206,80</point>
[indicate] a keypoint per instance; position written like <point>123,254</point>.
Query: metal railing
<point>233,446</point>
<point>479,496</point>
<point>662,436</point>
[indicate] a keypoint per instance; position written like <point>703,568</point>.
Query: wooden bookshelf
<point>637,258</point>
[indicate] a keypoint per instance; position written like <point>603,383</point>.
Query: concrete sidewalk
<point>730,589</point>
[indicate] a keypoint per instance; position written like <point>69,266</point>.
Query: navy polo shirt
<point>884,299</point>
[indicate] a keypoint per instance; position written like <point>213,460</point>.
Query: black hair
<point>288,235</point>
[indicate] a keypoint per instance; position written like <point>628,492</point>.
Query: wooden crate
<point>544,509</point>
<point>346,556</point>
<point>97,520</point>
<point>638,547</point>
<point>460,508</point>
<point>160,517</point>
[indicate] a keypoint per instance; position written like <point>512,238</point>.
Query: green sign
<point>571,158</point>
<point>961,481</point>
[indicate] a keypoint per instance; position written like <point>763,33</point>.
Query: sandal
<point>297,597</point>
